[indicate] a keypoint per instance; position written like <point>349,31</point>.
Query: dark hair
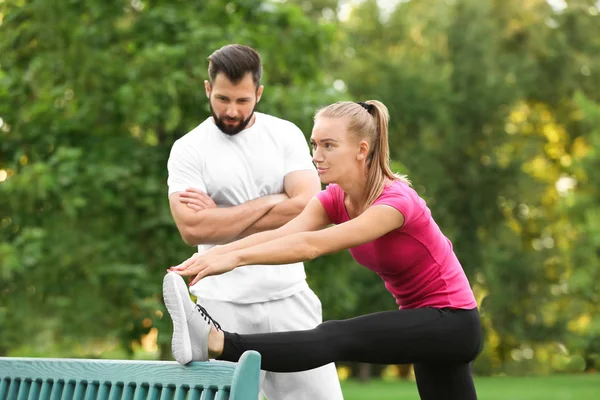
<point>235,61</point>
<point>368,120</point>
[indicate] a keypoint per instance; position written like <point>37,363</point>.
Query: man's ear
<point>259,93</point>
<point>207,88</point>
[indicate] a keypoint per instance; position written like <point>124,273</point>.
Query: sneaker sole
<point>181,346</point>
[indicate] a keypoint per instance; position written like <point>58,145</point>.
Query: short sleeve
<point>297,152</point>
<point>330,200</point>
<point>394,196</point>
<point>184,168</point>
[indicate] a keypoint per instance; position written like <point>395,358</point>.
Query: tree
<point>480,95</point>
<point>93,95</point>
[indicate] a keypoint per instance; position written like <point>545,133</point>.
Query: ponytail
<point>379,172</point>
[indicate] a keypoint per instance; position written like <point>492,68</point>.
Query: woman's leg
<point>441,381</point>
<point>427,336</point>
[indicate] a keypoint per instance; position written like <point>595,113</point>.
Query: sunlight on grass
<point>558,387</point>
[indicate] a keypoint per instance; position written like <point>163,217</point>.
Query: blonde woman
<point>388,229</point>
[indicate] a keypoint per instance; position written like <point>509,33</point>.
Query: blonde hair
<point>368,121</point>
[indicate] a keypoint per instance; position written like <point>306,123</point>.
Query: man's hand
<point>196,199</point>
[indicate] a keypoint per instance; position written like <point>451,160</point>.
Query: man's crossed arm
<point>200,222</point>
<point>300,186</point>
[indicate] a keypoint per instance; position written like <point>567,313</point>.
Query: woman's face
<point>336,154</point>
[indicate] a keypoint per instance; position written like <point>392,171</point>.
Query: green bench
<point>80,379</point>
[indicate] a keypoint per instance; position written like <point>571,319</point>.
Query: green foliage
<point>583,206</point>
<point>481,98</point>
<point>93,95</point>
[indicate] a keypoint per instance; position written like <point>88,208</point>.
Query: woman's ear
<point>363,151</point>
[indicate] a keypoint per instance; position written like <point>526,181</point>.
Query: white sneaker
<point>191,322</point>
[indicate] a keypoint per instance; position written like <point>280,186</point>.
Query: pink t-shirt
<point>416,261</point>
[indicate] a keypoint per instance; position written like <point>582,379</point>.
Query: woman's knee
<point>330,336</point>
<point>328,328</point>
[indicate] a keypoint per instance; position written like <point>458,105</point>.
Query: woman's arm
<point>301,246</point>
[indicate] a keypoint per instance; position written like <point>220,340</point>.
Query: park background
<point>495,117</point>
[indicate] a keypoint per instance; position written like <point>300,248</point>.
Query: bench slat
<point>34,390</point>
<point>23,390</point>
<point>207,394</point>
<point>194,394</point>
<point>128,393</point>
<point>222,395</point>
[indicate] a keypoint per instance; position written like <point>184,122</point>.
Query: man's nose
<point>231,111</point>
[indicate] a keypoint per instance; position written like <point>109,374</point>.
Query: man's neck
<point>252,121</point>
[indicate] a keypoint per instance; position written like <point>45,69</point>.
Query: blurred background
<point>495,117</point>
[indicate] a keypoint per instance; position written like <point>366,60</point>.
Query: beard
<point>231,129</point>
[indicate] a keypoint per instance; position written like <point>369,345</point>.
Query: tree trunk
<point>364,372</point>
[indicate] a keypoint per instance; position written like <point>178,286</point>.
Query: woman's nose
<point>317,156</point>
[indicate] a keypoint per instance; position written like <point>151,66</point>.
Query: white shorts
<point>297,312</point>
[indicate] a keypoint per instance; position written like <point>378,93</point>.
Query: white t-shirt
<point>233,170</point>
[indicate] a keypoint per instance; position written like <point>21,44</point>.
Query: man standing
<point>237,173</point>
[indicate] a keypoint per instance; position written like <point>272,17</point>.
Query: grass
<point>556,387</point>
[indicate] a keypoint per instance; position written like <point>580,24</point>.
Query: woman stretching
<point>388,228</point>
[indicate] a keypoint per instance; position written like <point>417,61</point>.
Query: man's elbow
<point>189,237</point>
<point>194,236</point>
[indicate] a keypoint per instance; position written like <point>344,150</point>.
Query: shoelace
<point>207,317</point>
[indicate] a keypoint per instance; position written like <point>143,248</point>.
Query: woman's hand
<point>201,266</point>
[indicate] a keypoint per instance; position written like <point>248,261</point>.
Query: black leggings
<point>441,343</point>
